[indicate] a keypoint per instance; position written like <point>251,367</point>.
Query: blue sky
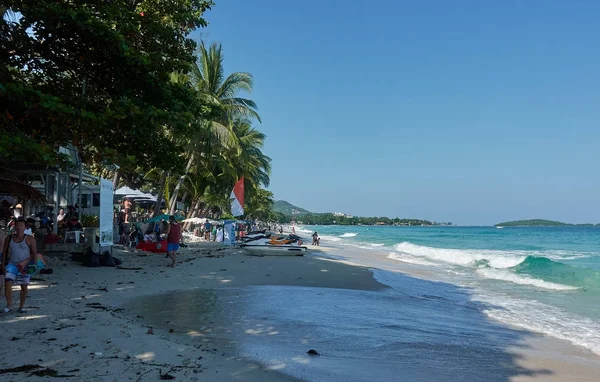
<point>466,111</point>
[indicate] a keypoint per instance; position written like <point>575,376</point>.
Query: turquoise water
<point>544,279</point>
<point>458,300</point>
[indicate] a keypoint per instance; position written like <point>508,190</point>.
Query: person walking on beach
<point>173,239</point>
<point>19,251</point>
<point>315,238</point>
<point>207,229</point>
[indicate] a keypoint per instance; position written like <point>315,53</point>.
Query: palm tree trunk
<point>116,179</point>
<point>184,198</point>
<point>192,214</point>
<point>173,203</point>
<point>161,191</point>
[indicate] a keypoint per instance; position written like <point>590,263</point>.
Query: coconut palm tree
<point>220,93</point>
<point>248,158</point>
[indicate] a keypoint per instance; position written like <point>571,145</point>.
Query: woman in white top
<point>19,255</point>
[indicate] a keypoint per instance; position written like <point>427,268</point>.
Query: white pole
<point>79,186</point>
<point>56,202</point>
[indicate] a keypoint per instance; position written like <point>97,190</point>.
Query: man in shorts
<point>19,256</point>
<point>173,239</point>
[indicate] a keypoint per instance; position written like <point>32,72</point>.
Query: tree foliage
<point>97,74</point>
<point>331,219</point>
<point>122,81</point>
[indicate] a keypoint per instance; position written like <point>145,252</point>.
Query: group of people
<point>213,232</point>
<point>157,233</point>
<point>316,239</point>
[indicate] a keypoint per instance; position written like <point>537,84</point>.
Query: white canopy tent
<point>124,191</point>
<point>130,193</point>
<point>200,221</point>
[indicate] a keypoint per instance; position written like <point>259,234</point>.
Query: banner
<point>106,213</point>
<point>229,233</point>
<point>237,194</point>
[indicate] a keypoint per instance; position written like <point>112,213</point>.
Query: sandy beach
<point>78,322</point>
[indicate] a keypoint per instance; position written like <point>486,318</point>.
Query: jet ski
<point>267,244</point>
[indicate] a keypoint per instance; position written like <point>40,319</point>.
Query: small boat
<point>499,227</point>
<point>274,250</point>
<point>262,244</point>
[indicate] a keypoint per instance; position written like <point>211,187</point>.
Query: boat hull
<point>274,250</point>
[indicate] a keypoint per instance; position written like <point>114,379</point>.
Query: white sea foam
<point>410,259</point>
<point>538,317</point>
<point>464,257</point>
<point>369,246</point>
<point>527,314</point>
<point>505,275</point>
<point>330,238</point>
<point>349,234</point>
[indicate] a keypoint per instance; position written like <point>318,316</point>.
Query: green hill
<point>533,223</point>
<point>287,208</point>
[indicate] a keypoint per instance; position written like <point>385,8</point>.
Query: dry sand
<point>77,325</point>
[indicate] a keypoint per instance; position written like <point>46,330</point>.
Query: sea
<point>460,300</point>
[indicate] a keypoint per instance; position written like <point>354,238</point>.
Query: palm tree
<point>221,94</point>
<point>218,90</point>
<point>248,158</point>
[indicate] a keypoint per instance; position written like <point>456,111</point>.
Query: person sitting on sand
<point>19,256</point>
<point>173,239</point>
<point>149,236</point>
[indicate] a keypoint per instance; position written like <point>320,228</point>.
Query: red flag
<point>237,194</point>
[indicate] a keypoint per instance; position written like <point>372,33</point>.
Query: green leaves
<point>96,74</point>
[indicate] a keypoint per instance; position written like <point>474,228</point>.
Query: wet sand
<point>79,323</point>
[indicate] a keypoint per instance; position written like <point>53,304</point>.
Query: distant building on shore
<point>342,214</point>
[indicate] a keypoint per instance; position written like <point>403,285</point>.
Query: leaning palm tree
<point>221,94</point>
<point>248,158</point>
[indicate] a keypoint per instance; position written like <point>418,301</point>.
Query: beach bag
<point>106,260</point>
<point>91,259</point>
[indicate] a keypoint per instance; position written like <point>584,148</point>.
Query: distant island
<point>538,223</point>
<point>286,212</point>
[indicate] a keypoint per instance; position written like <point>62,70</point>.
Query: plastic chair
<point>75,234</point>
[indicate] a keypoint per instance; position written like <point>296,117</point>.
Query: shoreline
<point>78,322</point>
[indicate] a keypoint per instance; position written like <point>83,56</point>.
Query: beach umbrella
<point>16,188</point>
<point>146,197</point>
<point>164,217</point>
<point>130,193</point>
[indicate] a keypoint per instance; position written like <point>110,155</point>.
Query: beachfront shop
<point>68,206</point>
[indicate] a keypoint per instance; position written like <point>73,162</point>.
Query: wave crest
<point>504,275</point>
<point>464,257</point>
